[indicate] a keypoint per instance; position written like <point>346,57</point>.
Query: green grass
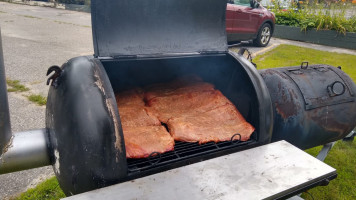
<point>38,99</point>
<point>343,158</point>
<point>16,86</point>
<point>48,189</point>
<point>343,155</point>
<point>289,55</point>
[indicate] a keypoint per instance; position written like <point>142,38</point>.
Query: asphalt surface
<point>35,38</point>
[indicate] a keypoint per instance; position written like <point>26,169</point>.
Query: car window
<point>241,2</point>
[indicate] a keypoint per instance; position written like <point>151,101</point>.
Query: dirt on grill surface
<point>193,111</point>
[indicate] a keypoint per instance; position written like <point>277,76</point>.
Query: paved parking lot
<point>35,38</point>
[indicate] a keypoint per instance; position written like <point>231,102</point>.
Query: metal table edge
<point>304,187</point>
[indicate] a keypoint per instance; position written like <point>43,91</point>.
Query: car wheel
<point>264,35</point>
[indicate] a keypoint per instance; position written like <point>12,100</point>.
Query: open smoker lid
<point>149,27</point>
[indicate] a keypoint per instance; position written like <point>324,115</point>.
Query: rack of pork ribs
<point>186,109</point>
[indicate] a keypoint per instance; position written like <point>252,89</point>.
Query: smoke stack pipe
<point>5,127</point>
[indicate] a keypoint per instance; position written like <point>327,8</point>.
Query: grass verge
<point>48,189</point>
<point>16,86</point>
<point>342,158</point>
<point>289,55</point>
<point>38,99</point>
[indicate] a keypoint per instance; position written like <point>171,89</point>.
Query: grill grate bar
<point>182,150</point>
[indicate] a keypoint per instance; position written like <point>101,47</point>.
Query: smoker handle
<point>5,128</point>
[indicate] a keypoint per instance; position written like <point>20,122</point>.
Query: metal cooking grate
<point>182,150</point>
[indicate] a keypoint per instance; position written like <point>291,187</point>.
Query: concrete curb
<point>264,50</point>
<point>323,37</point>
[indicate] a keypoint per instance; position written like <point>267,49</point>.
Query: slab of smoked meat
<point>216,125</point>
<point>175,105</point>
<point>143,133</point>
<point>142,141</point>
<point>178,86</point>
<point>132,110</point>
<point>132,97</point>
<point>137,116</point>
<point>176,83</point>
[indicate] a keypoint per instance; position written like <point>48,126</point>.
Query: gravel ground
<point>35,38</point>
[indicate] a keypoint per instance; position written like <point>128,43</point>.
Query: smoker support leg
<point>295,198</point>
<point>351,136</point>
<point>324,151</point>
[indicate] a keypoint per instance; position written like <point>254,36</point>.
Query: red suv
<point>248,20</point>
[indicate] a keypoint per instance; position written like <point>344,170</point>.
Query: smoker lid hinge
<point>211,52</point>
<point>124,56</point>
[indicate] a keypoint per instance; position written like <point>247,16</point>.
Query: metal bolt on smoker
<point>137,43</point>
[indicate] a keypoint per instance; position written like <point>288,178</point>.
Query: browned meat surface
<point>141,141</point>
<point>175,84</point>
<point>133,97</point>
<point>175,105</point>
<point>137,116</point>
<point>216,125</point>
<point>167,91</point>
<point>143,132</point>
<point>192,109</point>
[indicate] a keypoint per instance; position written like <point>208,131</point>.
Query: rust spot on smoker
<point>7,147</point>
<point>285,110</point>
<point>328,121</point>
<point>56,162</point>
<point>111,110</point>
<point>116,125</point>
<point>286,107</point>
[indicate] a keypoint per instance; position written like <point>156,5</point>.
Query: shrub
<point>316,16</point>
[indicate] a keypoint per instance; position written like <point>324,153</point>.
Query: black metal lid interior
<point>156,27</point>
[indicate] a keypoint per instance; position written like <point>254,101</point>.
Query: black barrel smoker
<point>137,43</point>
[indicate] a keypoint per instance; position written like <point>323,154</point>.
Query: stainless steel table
<point>275,170</point>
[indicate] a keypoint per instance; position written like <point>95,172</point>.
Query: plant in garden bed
<point>332,18</point>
